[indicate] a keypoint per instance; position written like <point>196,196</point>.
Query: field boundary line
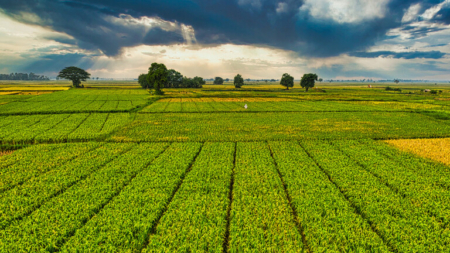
<point>81,123</point>
<point>226,241</point>
<point>72,233</point>
<point>166,206</point>
<point>59,122</point>
<point>288,196</point>
<point>242,111</point>
<point>356,209</point>
<point>104,123</point>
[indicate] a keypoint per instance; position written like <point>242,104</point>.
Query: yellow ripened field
<point>435,149</point>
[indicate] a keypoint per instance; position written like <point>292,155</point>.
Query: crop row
<point>26,197</point>
<point>193,105</point>
<point>261,219</point>
<point>424,186</point>
<point>126,222</point>
<point>49,158</point>
<point>280,126</point>
<point>91,95</point>
<point>313,196</point>
<point>60,127</point>
<point>402,224</point>
<point>198,211</point>
<point>48,227</point>
<point>329,222</point>
<point>69,106</point>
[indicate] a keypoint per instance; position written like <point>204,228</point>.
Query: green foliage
<point>260,217</point>
<point>60,127</point>
<point>174,79</point>
<point>143,81</point>
<point>218,80</point>
<point>76,75</point>
<point>388,88</point>
<point>330,223</point>
<point>265,126</point>
<point>196,82</point>
<point>287,81</point>
<point>238,81</point>
<point>210,176</point>
<point>138,207</point>
<point>378,199</point>
<point>308,81</point>
<point>157,76</point>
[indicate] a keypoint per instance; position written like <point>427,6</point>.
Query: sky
<point>259,39</point>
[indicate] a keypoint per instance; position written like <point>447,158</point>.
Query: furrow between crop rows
<point>48,227</point>
<point>401,224</point>
<point>23,200</point>
<point>261,219</point>
<point>126,222</point>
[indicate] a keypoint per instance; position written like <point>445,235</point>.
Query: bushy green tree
<point>287,81</point>
<point>174,79</point>
<point>142,80</point>
<point>76,75</point>
<point>238,81</point>
<point>308,80</point>
<point>196,82</point>
<point>218,80</point>
<point>157,76</point>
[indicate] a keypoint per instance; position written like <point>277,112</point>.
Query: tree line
<point>159,77</point>
<point>24,77</point>
<point>307,81</point>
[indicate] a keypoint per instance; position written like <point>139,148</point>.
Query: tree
<point>218,80</point>
<point>76,75</point>
<point>174,79</point>
<point>238,81</point>
<point>396,81</point>
<point>198,82</point>
<point>308,81</point>
<point>321,80</point>
<point>142,80</point>
<point>287,81</point>
<point>157,77</point>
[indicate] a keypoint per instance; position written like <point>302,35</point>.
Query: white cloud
<point>431,12</point>
<point>345,11</point>
<point>412,13</point>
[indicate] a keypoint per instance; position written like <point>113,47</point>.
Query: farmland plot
<point>279,126</point>
<point>315,196</point>
<point>60,127</point>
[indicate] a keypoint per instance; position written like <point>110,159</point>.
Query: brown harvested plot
<point>435,149</point>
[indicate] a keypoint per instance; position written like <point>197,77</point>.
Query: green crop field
<point>113,168</point>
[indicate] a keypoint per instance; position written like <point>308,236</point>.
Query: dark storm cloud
<point>443,16</point>
<point>398,55</point>
<point>249,22</point>
<point>55,62</point>
<point>61,39</point>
